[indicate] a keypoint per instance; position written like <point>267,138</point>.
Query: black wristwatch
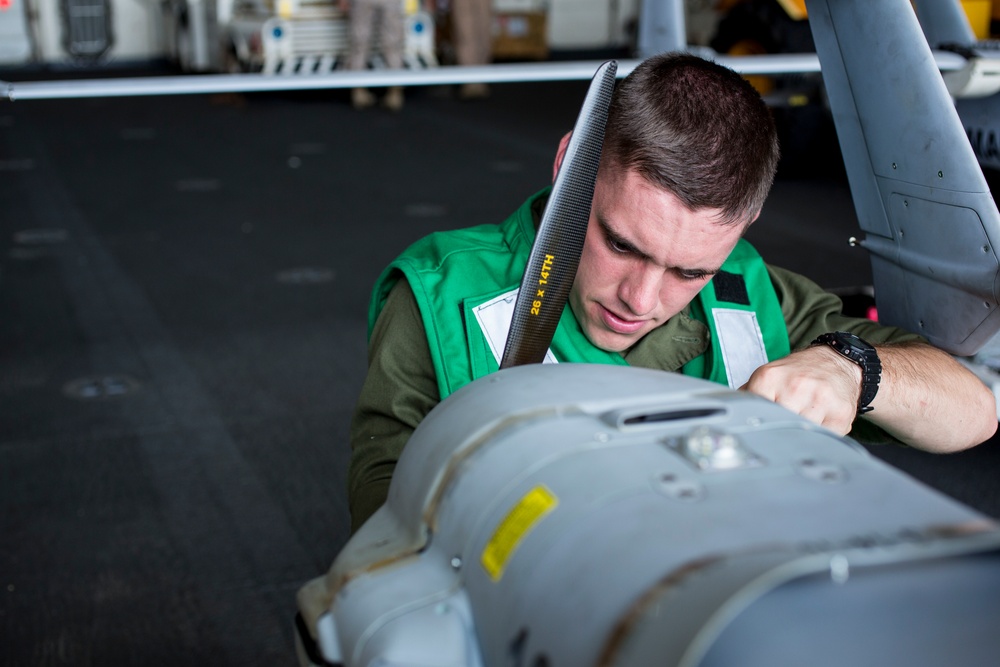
<point>864,355</point>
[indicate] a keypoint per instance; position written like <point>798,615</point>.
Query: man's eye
<point>618,247</point>
<point>693,275</point>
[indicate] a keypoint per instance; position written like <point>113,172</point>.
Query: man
<point>472,33</point>
<point>363,14</point>
<point>664,281</point>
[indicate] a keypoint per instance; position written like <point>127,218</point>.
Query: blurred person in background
<point>363,14</point>
<point>472,33</point>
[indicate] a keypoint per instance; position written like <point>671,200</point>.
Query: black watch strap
<point>864,355</point>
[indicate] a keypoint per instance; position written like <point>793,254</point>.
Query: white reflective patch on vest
<point>741,342</point>
<point>494,317</point>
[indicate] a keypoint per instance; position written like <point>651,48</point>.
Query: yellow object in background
<point>796,9</point>
<point>763,84</point>
<point>979,12</point>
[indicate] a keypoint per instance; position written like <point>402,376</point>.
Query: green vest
<point>452,273</point>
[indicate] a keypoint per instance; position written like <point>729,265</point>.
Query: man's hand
<point>925,398</point>
<point>816,382</point>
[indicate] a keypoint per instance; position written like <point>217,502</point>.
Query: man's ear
<point>560,154</point>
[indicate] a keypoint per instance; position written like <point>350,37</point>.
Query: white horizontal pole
<point>251,83</point>
<point>501,73</point>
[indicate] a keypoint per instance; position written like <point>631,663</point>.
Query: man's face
<point>645,258</point>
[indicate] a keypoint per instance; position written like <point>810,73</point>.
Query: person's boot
<point>361,98</point>
<point>473,91</point>
<point>393,99</point>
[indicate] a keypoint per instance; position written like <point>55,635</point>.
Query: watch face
<point>853,341</point>
<point>864,355</point>
<point>843,342</point>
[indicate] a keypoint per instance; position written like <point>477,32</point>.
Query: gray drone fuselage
<point>586,515</point>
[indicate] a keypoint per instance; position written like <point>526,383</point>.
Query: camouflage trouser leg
<point>362,15</point>
<point>472,27</point>
<point>390,16</point>
<point>392,35</point>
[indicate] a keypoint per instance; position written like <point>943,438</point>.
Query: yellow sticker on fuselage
<point>520,520</point>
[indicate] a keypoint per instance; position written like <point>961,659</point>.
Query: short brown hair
<point>696,129</point>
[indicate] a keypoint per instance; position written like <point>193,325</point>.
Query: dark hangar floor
<point>183,289</point>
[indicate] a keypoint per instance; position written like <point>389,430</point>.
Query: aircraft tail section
<point>932,226</point>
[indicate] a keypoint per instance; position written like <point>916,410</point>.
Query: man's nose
<point>640,290</point>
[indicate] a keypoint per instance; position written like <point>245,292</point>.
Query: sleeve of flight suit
<point>399,390</point>
<point>810,311</point>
